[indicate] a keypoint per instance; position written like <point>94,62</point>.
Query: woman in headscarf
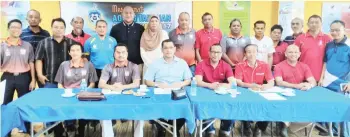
<point>151,40</point>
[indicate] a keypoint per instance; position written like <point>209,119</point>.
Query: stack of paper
<point>162,91</point>
<point>108,91</point>
<point>272,96</point>
<point>272,90</point>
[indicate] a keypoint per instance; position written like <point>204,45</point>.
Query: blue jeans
<point>50,85</point>
<point>225,125</point>
<point>193,69</point>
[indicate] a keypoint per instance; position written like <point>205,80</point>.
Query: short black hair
<point>259,22</point>
<point>101,21</point>
<point>338,21</point>
<point>58,20</point>
<point>216,44</point>
<point>12,21</point>
<point>207,14</point>
<point>248,45</point>
<point>276,26</point>
<point>235,19</point>
<point>166,41</point>
<point>77,44</point>
<point>315,16</point>
<point>121,45</point>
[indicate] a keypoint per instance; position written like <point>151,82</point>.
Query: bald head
<point>292,53</point>
<point>297,25</point>
<point>184,20</point>
<point>128,14</point>
<point>33,18</point>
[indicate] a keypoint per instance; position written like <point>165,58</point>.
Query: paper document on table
<point>272,96</point>
<point>108,91</point>
<point>272,90</point>
<point>162,91</point>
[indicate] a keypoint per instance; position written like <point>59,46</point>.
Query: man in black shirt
<point>129,33</point>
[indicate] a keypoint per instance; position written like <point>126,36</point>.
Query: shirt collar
<point>209,31</point>
<point>178,31</point>
<point>258,63</point>
<point>297,34</point>
<point>40,29</point>
<point>176,59</point>
<point>18,43</point>
<point>132,24</point>
<point>81,35</point>
<point>80,65</point>
<point>320,34</point>
<point>122,64</point>
<point>342,41</point>
<point>207,62</point>
<point>231,36</point>
<point>64,38</point>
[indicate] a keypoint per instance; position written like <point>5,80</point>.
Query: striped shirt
<point>33,38</point>
<point>53,54</point>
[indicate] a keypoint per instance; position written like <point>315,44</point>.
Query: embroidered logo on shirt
<point>7,52</point>
<point>178,37</point>
<point>259,73</point>
<point>114,73</point>
<point>22,51</point>
<point>94,46</point>
<point>69,73</point>
<point>191,36</point>
<point>127,73</point>
<point>83,72</point>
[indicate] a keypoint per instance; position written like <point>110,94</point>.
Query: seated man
<point>119,75</point>
<point>293,74</point>
<point>70,74</point>
<point>213,73</point>
<point>168,72</point>
<point>252,73</point>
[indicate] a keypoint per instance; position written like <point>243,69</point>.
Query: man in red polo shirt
<point>206,37</point>
<point>252,73</point>
<point>214,73</point>
<point>77,33</point>
<point>312,45</point>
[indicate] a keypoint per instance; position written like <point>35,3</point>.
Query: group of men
<point>301,61</point>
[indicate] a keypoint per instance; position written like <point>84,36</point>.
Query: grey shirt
<point>16,58</point>
<point>234,48</point>
<point>70,77</point>
<point>124,74</point>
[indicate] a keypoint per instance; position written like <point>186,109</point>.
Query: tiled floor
<point>125,130</point>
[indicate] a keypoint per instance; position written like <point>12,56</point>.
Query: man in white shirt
<point>264,43</point>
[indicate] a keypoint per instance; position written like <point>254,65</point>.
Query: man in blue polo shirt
<point>168,72</point>
<point>100,47</point>
<point>336,69</point>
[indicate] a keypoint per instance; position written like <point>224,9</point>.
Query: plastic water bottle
<point>193,87</point>
<point>83,85</point>
<point>233,89</point>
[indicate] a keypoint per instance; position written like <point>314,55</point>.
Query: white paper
<point>162,91</point>
<point>107,91</point>
<point>272,96</point>
<point>107,128</point>
<point>2,91</point>
<point>272,90</point>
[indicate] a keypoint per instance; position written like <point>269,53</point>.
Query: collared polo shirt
<point>101,50</point>
<point>70,76</point>
<point>205,39</point>
<point>278,55</point>
<point>81,39</point>
<point>131,36</point>
<point>162,71</point>
<point>184,43</point>
<point>53,54</point>
<point>210,74</point>
<point>290,39</point>
<point>253,75</point>
<point>234,47</point>
<point>265,47</point>
<point>120,73</point>
<point>33,38</point>
<point>292,74</point>
<point>337,58</point>
<point>312,51</point>
<point>16,58</point>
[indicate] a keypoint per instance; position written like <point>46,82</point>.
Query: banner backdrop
<point>335,11</point>
<point>13,10</point>
<point>289,10</point>
<point>111,12</point>
<point>234,9</point>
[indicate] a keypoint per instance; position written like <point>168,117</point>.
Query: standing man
<point>157,75</point>
<point>264,43</point>
<point>280,46</point>
<point>129,32</point>
<point>100,47</point>
<point>312,46</point>
<point>297,27</point>
<point>337,67</point>
<point>206,37</point>
<point>184,39</point>
<point>77,33</point>
<point>34,33</point>
<point>233,44</point>
<point>50,53</point>
<point>213,73</point>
